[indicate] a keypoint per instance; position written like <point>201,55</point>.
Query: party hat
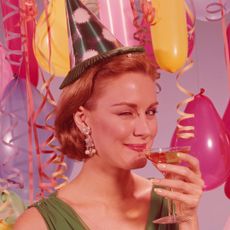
<point>92,42</point>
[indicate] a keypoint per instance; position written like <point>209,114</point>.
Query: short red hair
<point>80,94</point>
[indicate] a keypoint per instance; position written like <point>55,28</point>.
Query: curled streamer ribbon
<point>142,23</point>
<point>215,11</point>
<point>11,36</point>
<point>46,182</point>
<point>30,105</point>
<point>185,132</point>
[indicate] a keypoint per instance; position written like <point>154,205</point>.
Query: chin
<point>140,163</point>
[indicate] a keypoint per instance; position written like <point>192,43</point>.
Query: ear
<point>80,117</point>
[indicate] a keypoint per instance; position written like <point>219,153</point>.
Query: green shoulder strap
<point>58,215</point>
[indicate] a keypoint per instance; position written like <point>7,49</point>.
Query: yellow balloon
<point>4,226</point>
<point>169,34</point>
<point>53,54</point>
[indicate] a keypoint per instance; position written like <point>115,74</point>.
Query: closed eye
<point>125,114</point>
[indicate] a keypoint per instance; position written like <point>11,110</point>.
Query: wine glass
<point>168,155</point>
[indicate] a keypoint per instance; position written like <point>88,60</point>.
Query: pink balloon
<point>228,38</point>
<point>211,144</point>
<point>226,117</point>
<point>227,188</point>
<point>117,16</point>
<point>6,74</point>
<point>13,36</point>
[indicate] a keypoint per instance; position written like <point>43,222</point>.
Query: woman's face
<point>123,122</point>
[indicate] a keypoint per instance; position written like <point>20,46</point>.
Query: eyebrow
<point>132,105</point>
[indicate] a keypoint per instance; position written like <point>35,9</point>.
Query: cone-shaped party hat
<point>92,42</point>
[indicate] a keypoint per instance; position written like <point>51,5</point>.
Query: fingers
<point>190,174</point>
<point>194,163</point>
<point>190,200</point>
<point>178,185</point>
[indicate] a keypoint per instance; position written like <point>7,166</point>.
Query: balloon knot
<point>202,90</point>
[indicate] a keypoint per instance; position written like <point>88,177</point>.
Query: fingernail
<point>161,166</point>
<point>178,155</point>
<point>155,181</point>
<point>157,190</point>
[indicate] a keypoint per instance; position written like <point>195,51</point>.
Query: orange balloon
<point>53,55</point>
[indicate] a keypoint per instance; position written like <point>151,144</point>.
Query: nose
<point>145,127</point>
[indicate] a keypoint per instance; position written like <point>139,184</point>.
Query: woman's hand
<point>187,186</point>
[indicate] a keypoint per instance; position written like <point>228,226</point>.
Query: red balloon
<point>13,36</point>
<point>211,144</point>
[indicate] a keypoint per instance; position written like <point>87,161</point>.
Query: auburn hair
<point>80,93</point>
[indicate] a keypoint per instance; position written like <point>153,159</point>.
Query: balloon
<point>211,144</point>
<point>226,117</point>
<point>228,38</point>
<point>13,36</point>
<point>169,34</point>
<point>117,16</point>
<point>14,164</point>
<point>4,226</point>
<point>5,70</point>
<point>14,207</point>
<point>52,48</point>
<point>227,188</point>
<point>207,10</point>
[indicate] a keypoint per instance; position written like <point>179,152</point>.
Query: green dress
<point>58,215</point>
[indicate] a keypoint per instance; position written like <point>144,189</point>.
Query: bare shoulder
<point>30,219</point>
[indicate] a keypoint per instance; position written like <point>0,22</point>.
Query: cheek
<point>109,130</point>
<point>154,127</point>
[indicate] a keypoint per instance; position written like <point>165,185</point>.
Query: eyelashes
<point>150,112</point>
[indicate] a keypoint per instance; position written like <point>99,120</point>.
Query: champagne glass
<point>168,155</point>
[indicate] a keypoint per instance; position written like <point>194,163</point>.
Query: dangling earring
<point>90,148</point>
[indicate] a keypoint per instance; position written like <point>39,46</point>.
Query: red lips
<point>137,147</point>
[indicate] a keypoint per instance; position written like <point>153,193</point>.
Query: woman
<point>107,118</point>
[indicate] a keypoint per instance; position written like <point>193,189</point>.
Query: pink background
<point>209,72</point>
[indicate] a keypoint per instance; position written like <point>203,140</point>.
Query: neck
<point>105,181</point>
